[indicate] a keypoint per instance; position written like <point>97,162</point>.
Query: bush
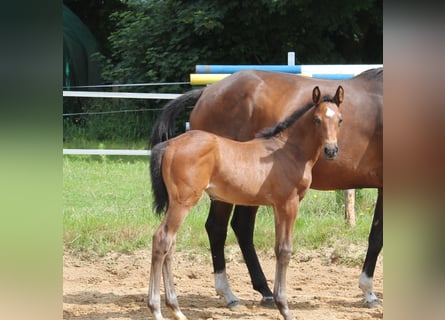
<point>105,119</point>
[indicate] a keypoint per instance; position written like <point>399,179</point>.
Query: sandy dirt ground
<point>320,286</point>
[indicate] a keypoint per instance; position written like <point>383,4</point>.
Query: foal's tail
<point>164,128</point>
<point>159,191</point>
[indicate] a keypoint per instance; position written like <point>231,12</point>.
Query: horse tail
<point>159,191</point>
<point>164,127</point>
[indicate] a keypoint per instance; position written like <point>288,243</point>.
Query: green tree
<point>163,40</point>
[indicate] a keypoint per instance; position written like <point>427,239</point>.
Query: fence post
<point>350,206</point>
<point>291,58</point>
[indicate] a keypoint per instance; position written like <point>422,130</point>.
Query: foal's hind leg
<point>162,252</point>
<point>375,244</point>
<point>243,224</point>
<point>171,299</point>
<point>160,246</point>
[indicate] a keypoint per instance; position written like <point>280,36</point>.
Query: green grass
<point>107,207</point>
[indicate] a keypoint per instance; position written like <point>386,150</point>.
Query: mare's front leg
<point>243,224</point>
<point>216,227</point>
<point>375,244</point>
<point>284,225</point>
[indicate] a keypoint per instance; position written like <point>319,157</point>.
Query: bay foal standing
<point>270,170</point>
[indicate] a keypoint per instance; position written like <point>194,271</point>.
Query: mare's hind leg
<point>243,224</point>
<point>216,227</point>
<point>375,244</point>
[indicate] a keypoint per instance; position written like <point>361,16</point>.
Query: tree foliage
<point>163,40</point>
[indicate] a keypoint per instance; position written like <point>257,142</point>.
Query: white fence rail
<point>125,95</point>
<point>107,152</point>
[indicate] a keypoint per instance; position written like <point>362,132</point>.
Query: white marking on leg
<point>222,288</point>
<point>365,283</point>
<point>157,315</point>
<point>329,112</point>
<point>177,315</point>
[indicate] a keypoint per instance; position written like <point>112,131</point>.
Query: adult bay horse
<point>244,103</point>
<point>273,169</point>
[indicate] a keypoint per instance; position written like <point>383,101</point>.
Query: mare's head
<point>327,119</point>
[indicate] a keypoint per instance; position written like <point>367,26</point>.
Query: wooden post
<point>350,206</point>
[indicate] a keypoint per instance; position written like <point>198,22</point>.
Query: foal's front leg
<point>284,225</point>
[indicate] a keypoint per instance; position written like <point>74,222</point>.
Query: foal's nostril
<point>328,152</point>
<point>331,151</point>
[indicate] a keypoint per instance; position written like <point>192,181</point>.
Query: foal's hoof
<point>268,302</point>
<point>233,305</point>
<point>372,304</point>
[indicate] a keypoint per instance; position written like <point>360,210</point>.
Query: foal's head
<point>327,118</point>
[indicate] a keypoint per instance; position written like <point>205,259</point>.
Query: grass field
<point>107,207</point>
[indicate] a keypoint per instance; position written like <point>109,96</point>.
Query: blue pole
<point>332,76</point>
<point>236,68</point>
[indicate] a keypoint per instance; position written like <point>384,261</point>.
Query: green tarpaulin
<point>78,46</point>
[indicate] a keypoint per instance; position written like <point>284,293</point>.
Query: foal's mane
<point>286,123</point>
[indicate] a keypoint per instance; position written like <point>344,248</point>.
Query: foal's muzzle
<point>331,150</point>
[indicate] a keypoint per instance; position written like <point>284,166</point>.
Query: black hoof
<point>268,302</point>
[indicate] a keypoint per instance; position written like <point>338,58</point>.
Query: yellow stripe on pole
<point>203,79</point>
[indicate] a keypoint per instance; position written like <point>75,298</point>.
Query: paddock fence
<point>206,75</point>
<point>209,74</point>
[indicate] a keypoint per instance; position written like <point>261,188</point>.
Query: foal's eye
<point>340,121</point>
<point>317,121</point>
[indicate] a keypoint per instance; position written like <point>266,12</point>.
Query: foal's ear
<point>316,95</point>
<point>339,95</point>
